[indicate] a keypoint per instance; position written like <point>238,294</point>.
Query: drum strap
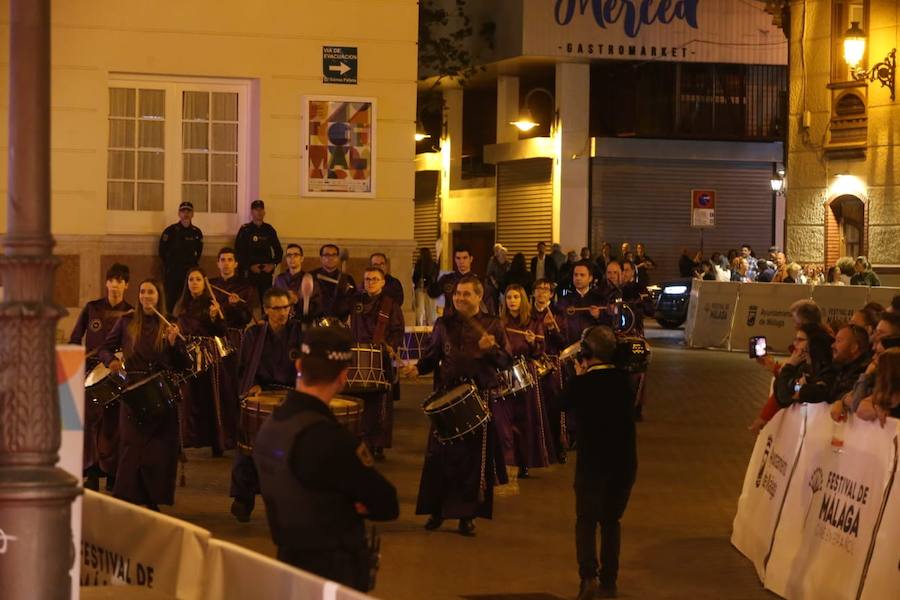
<point>385,308</point>
<point>250,374</point>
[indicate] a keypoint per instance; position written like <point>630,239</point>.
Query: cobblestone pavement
<point>693,446</point>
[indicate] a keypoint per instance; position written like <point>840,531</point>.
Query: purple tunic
<point>521,418</point>
<point>207,419</point>
<point>101,425</point>
<point>266,356</point>
<point>447,283</point>
<point>377,421</point>
<point>551,384</point>
<point>452,485</point>
<point>577,319</point>
<point>148,454</point>
<point>334,297</point>
<point>292,283</point>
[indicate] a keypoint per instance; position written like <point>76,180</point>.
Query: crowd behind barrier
<point>727,314</point>
<point>819,510</point>
<point>126,544</point>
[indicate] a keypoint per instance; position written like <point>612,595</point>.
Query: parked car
<point>672,303</point>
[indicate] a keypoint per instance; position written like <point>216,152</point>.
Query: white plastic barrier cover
<point>764,309</point>
<point>882,295</point>
<point>765,484</point>
<point>710,314</point>
<point>839,302</point>
<point>125,544</point>
<point>882,578</point>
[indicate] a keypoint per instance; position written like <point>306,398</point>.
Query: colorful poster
<point>70,386</point>
<point>339,140</point>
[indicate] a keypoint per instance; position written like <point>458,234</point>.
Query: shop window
<point>177,140</point>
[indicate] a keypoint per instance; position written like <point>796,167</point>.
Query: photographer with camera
<point>603,400</point>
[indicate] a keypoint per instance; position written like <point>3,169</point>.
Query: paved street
<point>693,448</point>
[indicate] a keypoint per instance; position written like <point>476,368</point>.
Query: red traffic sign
<point>704,199</point>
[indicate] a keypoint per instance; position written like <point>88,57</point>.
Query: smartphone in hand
<point>758,347</point>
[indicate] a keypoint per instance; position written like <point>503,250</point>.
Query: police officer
<point>606,464</point>
<point>316,477</point>
<point>258,249</point>
<point>180,247</point>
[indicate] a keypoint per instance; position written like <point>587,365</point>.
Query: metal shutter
<point>649,201</point>
<point>427,211</point>
<point>524,205</point>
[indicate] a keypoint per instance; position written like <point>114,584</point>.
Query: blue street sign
<point>339,64</point>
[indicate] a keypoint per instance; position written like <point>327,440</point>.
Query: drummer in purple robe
<point>554,343</point>
<point>265,363</point>
<point>333,286</point>
<point>458,477</point>
<point>521,417</point>
<point>377,318</point>
<point>585,306</point>
<point>206,420</point>
<point>307,303</point>
<point>101,423</point>
<point>462,262</point>
<point>148,449</point>
<point>392,285</point>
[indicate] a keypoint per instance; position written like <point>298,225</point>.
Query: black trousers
<point>174,282</point>
<point>600,504</point>
<point>262,281</point>
<point>244,479</point>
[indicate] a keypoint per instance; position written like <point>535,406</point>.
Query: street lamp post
<point>36,549</point>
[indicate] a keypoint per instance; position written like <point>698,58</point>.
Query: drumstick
<point>212,298</point>
<point>166,322</point>
<point>574,309</point>
<point>479,328</point>
<point>226,292</point>
<point>511,330</point>
<point>393,354</point>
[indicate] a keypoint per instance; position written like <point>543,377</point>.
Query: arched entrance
<point>845,228</point>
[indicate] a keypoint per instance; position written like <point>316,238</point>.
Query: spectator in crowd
<point>773,254</point>
<point>739,269</point>
<point>864,275</point>
<point>686,264</point>
<point>585,253</point>
<point>808,372</point>
<point>624,250</point>
<point>605,257</point>
<point>845,265</point>
<point>806,311</point>
<point>886,398</point>
<point>559,258</point>
<point>705,271</point>
<point>850,356</point>
<point>795,274</point>
<point>765,271</point>
<point>895,304</point>
<point>781,268</point>
<point>497,267</point>
<point>723,273</point>
<point>518,274</point>
<point>643,263</point>
<point>833,277</point>
<point>565,273</point>
<point>814,274</point>
<point>748,255</point>
<point>542,265</point>
<point>867,317</point>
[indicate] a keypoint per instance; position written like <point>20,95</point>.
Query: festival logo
<point>751,315</point>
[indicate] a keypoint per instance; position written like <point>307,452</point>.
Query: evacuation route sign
<point>339,64</point>
<point>703,208</point>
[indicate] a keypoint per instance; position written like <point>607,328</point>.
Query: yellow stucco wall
<point>812,177</point>
<point>277,45</point>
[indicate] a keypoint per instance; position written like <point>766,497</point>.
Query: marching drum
<point>255,410</point>
<point>103,387</point>
<point>543,365</point>
<point>517,378</point>
<point>205,352</point>
<point>415,339</point>
<point>152,396</point>
<point>329,322</point>
<point>456,413</point>
<point>366,374</point>
<point>567,359</point>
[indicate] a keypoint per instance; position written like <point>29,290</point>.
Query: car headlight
<point>675,290</point>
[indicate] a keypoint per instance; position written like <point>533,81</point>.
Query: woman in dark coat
<point>149,444</point>
<point>518,275</point>
<point>206,418</point>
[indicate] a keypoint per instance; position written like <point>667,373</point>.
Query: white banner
<point>683,30</point>
<point>766,483</point>
<point>235,573</point>
<point>831,509</point>
<point>764,309</point>
<point>882,578</point>
<point>711,312</point>
<point>839,302</point>
<point>70,386</point>
<point>125,544</point>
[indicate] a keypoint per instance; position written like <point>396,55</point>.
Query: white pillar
<point>453,132</point>
<point>571,192</point>
<point>507,108</point>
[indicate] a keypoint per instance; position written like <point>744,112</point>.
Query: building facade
<point>300,103</point>
<point>841,176</point>
<point>635,109</point>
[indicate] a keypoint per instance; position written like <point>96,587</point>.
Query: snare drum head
<point>570,351</point>
<point>267,398</point>
<point>343,404</point>
<point>446,398</point>
<point>97,374</point>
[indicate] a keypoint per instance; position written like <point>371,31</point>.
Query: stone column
<point>507,108</point>
<point>573,99</point>
<point>36,550</point>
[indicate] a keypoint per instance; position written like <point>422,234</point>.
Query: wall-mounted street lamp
<point>526,121</point>
<point>777,182</point>
<point>421,134</point>
<point>855,49</point>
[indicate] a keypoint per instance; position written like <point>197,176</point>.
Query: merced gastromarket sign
<point>713,31</point>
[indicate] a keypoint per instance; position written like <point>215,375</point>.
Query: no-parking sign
<point>703,208</point>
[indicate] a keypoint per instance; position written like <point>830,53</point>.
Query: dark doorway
<point>479,239</point>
